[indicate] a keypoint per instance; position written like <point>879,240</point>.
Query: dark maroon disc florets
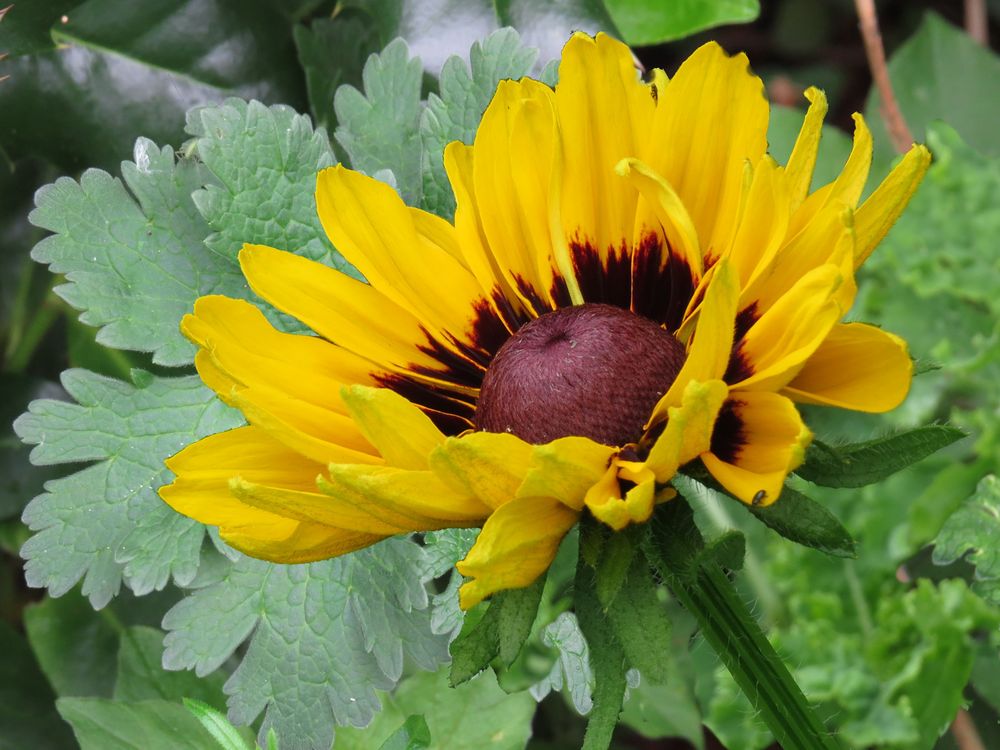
<point>595,371</point>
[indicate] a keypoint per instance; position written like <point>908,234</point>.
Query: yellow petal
<point>401,432</point>
<point>565,469</point>
<point>517,544</point>
<point>437,234</point>
<point>847,188</point>
<point>514,156</point>
<point>877,214</point>
<point>339,308</point>
<point>850,183</point>
<point>311,507</point>
<point>295,378</point>
<point>777,346</point>
<point>802,161</point>
<point>857,367</point>
<point>764,222</point>
<point>469,230</point>
<point>370,225</point>
<point>760,440</point>
<point>244,341</point>
<point>318,433</point>
<point>417,500</point>
<point>667,207</point>
<point>203,471</point>
<point>605,113</point>
<point>709,351</point>
<point>688,432</point>
<point>307,543</point>
<point>489,466</point>
<point>710,119</point>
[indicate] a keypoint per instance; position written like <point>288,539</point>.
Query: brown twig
<point>965,733</point>
<point>977,21</point>
<point>901,136</point>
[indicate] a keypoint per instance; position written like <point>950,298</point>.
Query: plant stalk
<point>733,633</point>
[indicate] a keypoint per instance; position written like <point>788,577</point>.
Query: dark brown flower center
<point>595,371</point>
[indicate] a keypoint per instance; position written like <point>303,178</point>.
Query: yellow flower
<point>630,283</point>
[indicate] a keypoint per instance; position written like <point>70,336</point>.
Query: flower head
<point>630,283</point>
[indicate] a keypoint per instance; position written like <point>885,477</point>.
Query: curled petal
<point>610,505</point>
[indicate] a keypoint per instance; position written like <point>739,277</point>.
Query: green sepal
<point>801,519</point>
<point>860,464</point>
<point>607,658</point>
<point>641,624</point>
<point>614,558</point>
<point>627,595</point>
<point>499,632</point>
<point>413,735</point>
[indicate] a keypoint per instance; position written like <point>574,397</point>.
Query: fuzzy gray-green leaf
<point>106,522</point>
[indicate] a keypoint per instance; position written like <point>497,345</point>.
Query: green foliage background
<point>228,110</point>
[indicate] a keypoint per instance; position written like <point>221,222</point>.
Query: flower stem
<point>733,633</point>
<point>676,549</point>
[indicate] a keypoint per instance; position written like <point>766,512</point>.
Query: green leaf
<point>465,91</point>
<point>19,481</point>
<point>930,674</point>
<point>500,632</point>
<point>27,711</point>
<point>322,637</point>
<point>973,533</point>
<point>25,27</point>
<point>141,676</point>
<point>548,26</point>
<point>333,51</point>
<point>101,724</point>
<point>649,22</point>
<point>265,160</point>
<point>413,735</point>
<point>106,522</point>
<point>132,253</point>
<point>444,548</point>
<point>923,72</point>
<point>639,619</point>
<point>379,129</point>
<point>225,734</point>
<point>161,56</point>
<point>607,658</point>
<point>74,645</point>
<point>442,28</point>
<point>572,668</point>
<point>806,522</point>
<point>860,464</point>
<point>473,716</point>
